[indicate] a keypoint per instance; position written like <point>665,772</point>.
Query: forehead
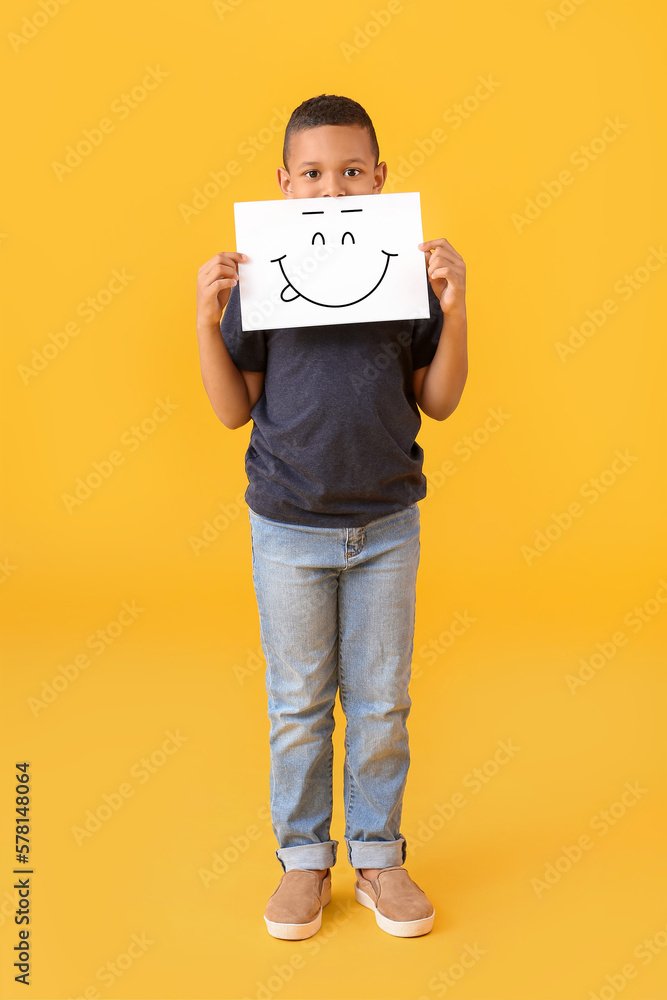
<point>330,144</point>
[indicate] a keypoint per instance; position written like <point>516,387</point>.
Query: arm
<point>439,386</point>
<point>232,392</point>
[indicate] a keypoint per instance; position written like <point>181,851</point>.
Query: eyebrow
<point>320,211</point>
<point>315,163</point>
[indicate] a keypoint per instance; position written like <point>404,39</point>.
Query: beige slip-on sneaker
<point>401,907</point>
<point>294,910</point>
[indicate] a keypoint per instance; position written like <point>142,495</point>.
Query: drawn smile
<point>296,294</point>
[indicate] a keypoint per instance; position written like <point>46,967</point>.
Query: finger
<point>221,283</point>
<point>438,258</point>
<point>223,257</point>
<point>230,255</point>
<point>431,244</point>
<point>443,262</point>
<point>212,279</point>
<point>218,271</point>
<point>442,253</point>
<point>224,269</point>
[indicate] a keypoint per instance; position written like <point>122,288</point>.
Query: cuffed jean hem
<point>322,855</point>
<point>376,853</point>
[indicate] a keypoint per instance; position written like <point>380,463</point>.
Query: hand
<point>447,273</point>
<point>214,286</point>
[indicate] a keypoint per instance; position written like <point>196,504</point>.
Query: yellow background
<point>190,662</point>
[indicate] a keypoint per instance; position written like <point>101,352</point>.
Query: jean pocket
<point>267,520</point>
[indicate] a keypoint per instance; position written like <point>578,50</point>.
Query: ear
<point>380,177</point>
<point>284,182</point>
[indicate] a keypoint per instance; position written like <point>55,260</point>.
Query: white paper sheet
<point>323,261</point>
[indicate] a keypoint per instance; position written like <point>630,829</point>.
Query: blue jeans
<point>337,609</point>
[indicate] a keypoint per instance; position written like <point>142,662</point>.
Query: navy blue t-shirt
<point>333,437</point>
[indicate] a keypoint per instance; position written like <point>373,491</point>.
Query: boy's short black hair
<point>328,109</point>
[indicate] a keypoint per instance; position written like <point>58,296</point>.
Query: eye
<point>347,234</point>
<point>308,172</point>
<point>356,170</point>
<point>320,236</point>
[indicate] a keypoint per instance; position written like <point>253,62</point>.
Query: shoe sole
<point>399,928</point>
<point>297,932</point>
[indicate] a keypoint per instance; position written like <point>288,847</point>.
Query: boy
<point>335,476</point>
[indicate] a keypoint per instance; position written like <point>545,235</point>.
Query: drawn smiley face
<point>290,293</point>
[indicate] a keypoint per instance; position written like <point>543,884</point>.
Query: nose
<point>332,186</point>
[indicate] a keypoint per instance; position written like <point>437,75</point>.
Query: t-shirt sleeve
<point>426,333</point>
<point>247,349</point>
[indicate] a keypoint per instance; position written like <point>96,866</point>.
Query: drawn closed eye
<point>320,236</point>
<point>348,234</point>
